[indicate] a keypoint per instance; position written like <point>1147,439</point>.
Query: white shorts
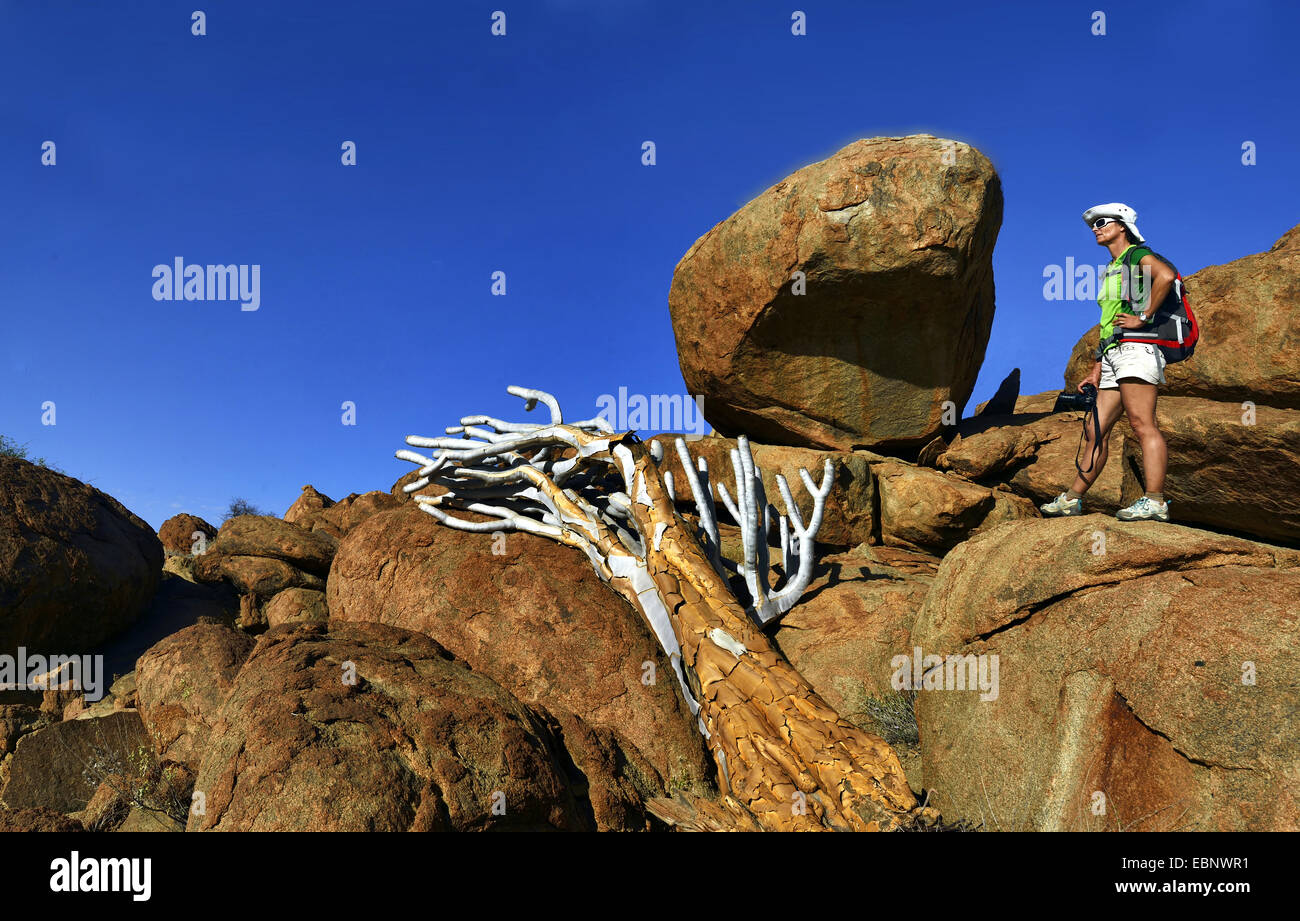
<point>1131,359</point>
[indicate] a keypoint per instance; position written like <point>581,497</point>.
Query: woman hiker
<point>1126,373</point>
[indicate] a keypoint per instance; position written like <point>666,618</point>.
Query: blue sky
<point>522,153</point>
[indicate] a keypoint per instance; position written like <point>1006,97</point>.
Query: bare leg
<point>1109,407</point>
<point>1139,399</point>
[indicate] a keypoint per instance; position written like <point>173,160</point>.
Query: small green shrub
<point>11,448</point>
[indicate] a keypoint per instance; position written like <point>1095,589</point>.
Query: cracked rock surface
<point>418,743</point>
<point>1155,681</point>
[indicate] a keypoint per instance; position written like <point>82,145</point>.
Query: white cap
<point>1118,210</point>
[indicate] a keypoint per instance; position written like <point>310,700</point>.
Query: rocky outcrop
<point>1227,468</point>
<point>254,575</point>
<point>296,605</point>
<point>60,766</point>
<point>1032,452</point>
<point>271,538</point>
<point>888,319</point>
<point>307,507</point>
<point>530,614</point>
<point>1145,670</point>
<point>931,510</point>
<point>318,512</point>
<point>368,727</point>
<point>180,533</point>
<point>181,683</point>
<point>260,555</point>
<point>855,617</point>
<point>75,565</point>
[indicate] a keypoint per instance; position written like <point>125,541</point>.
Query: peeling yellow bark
<point>786,758</point>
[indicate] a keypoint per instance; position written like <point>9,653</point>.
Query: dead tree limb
<point>784,756</point>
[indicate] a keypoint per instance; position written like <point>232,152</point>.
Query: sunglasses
<point>1103,221</point>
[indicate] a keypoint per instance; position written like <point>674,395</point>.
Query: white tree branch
<point>489,463</point>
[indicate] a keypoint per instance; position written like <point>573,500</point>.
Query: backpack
<point>1173,328</point>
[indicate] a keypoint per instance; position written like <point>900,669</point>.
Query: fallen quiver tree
<point>785,758</point>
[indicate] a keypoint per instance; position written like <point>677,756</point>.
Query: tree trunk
<point>786,760</point>
<point>782,752</point>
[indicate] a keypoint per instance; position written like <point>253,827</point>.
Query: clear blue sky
<point>522,154</point>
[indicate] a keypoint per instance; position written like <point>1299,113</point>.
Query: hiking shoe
<point>1143,509</point>
<point>1062,505</point>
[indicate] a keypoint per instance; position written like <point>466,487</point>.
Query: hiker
<point>1127,373</point>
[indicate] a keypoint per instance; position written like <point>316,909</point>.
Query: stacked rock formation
<point>357,665</point>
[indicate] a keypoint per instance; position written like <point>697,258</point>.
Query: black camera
<point>1072,402</point>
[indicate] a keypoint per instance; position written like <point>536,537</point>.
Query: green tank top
<point>1111,296</point>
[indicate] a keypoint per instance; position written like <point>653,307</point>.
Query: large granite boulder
<point>368,727</point>
<point>184,533</point>
<point>272,538</point>
<point>532,616</point>
<point>181,683</point>
<point>1145,679</point>
<point>260,555</point>
<point>894,239</point>
<point>75,566</point>
<point>256,576</point>
<point>925,509</point>
<point>295,605</point>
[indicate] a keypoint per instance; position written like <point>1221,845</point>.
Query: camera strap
<point>1083,437</point>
